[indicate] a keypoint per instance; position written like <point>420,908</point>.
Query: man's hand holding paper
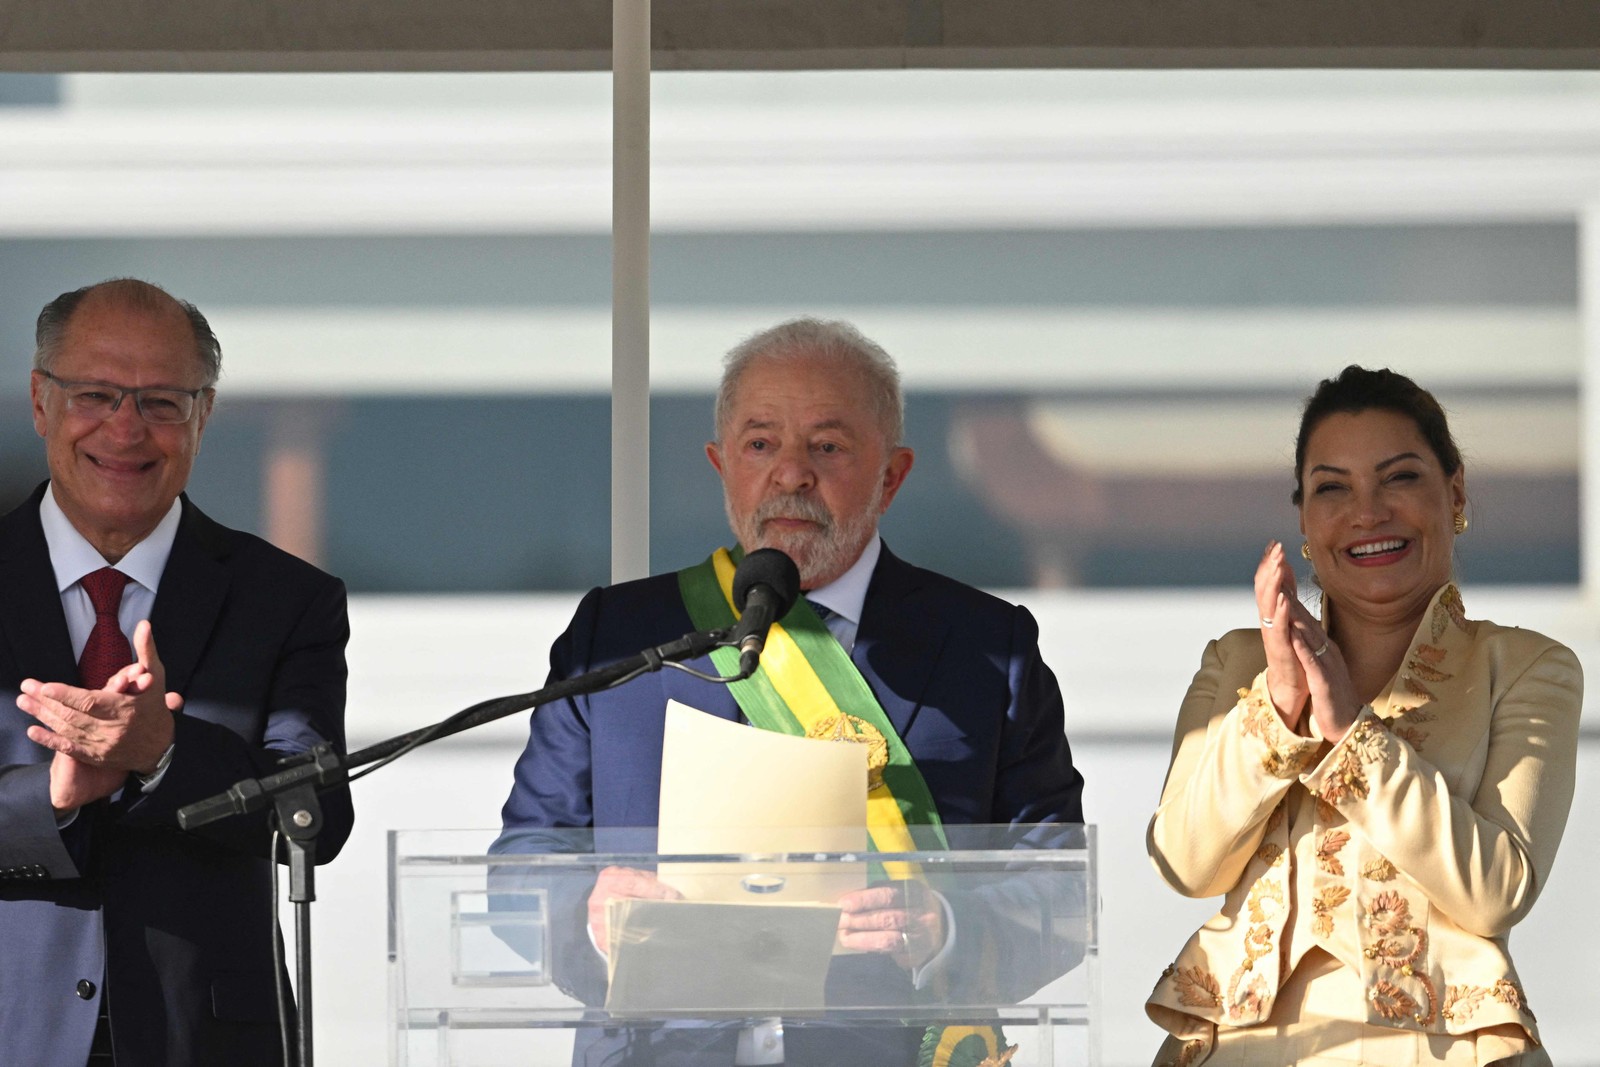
<point>905,920</point>
<point>618,883</point>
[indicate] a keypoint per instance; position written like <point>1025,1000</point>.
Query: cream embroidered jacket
<point>1407,851</point>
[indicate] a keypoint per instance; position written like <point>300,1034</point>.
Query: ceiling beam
<point>306,35</point>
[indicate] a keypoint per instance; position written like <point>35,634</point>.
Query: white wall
<point>1124,660</point>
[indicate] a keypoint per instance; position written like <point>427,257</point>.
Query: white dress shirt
<point>846,595</point>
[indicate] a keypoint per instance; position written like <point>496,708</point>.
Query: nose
<point>794,473</point>
<point>125,423</point>
<point>1371,507</point>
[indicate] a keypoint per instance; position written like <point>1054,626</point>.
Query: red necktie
<point>106,652</point>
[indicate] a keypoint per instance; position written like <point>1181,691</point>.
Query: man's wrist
<point>148,781</point>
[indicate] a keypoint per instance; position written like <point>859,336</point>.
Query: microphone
<point>765,586</point>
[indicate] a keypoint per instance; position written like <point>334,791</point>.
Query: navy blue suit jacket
<point>957,671</point>
<point>173,928</point>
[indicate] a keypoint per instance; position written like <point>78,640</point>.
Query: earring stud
<point>1305,549</point>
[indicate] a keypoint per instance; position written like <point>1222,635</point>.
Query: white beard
<point>821,554</point>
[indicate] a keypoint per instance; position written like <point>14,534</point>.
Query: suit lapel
<point>31,618</point>
<point>898,646</point>
<point>194,587</point>
<point>1432,671</point>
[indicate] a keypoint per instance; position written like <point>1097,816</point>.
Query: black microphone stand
<point>292,792</point>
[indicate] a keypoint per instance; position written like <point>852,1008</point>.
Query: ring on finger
<point>1318,652</point>
<point>905,939</point>
<point>1266,622</point>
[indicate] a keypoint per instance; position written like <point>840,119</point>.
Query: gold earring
<point>1305,549</point>
<point>1461,522</point>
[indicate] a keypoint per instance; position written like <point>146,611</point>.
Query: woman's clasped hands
<point>1304,666</point>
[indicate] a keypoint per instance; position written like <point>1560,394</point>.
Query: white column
<point>1589,403</point>
<point>630,289</point>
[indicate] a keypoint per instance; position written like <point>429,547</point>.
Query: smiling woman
<point>1379,793</point>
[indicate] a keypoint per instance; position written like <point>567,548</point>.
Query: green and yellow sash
<point>807,686</point>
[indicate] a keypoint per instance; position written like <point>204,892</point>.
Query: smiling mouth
<point>1373,551</point>
<point>124,467</point>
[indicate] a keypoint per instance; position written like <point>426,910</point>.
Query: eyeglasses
<point>97,400</point>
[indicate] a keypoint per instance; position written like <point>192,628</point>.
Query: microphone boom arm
<point>322,769</point>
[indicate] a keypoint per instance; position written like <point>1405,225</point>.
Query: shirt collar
<point>846,594</point>
<point>72,556</point>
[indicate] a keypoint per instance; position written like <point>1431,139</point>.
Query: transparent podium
<point>736,957</point>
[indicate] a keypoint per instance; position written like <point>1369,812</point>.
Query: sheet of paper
<point>727,787</point>
<point>708,959</point>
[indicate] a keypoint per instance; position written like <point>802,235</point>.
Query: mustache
<point>794,506</point>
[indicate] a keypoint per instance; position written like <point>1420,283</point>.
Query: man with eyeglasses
<point>127,941</point>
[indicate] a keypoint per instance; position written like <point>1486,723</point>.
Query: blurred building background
<point>1108,292</point>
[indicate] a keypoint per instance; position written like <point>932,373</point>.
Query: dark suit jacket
<point>173,928</point>
<point>956,670</point>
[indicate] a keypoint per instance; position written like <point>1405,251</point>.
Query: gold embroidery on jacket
<point>1411,736</point>
<point>1188,1055</point>
<point>1510,994</point>
<point>1266,900</point>
<point>1198,988</point>
<point>1388,919</point>
<point>1461,1002</point>
<point>1346,779</point>
<point>1250,1001</point>
<point>1259,720</point>
<point>1391,1001</point>
<point>1265,905</point>
<point>1328,851</point>
<point>1388,913</point>
<point>1416,687</point>
<point>1378,870</point>
<point>1329,897</point>
<point>1427,673</point>
<point>1369,740</point>
<point>1451,601</point>
<point>1432,655</point>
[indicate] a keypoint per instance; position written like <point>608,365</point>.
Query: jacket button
<point>85,989</point>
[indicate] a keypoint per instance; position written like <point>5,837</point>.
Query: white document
<point>731,788</point>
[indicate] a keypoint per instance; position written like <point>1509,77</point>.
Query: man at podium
<point>809,423</point>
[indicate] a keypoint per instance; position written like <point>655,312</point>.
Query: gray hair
<point>820,338</point>
<point>51,329</point>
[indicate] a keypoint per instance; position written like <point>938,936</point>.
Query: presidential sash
<point>807,686</point>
